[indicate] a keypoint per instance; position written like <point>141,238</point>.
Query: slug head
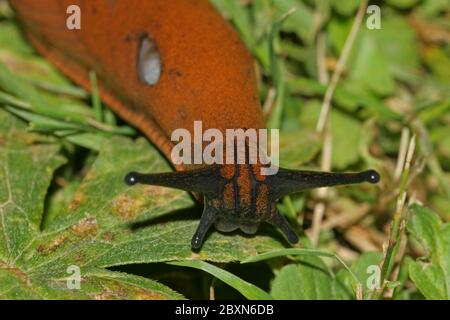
<point>238,196</point>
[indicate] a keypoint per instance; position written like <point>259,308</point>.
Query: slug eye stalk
<point>227,202</point>
<point>290,181</point>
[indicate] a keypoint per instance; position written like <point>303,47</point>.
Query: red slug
<point>161,65</point>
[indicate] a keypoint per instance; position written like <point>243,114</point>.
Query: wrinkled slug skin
<point>207,73</point>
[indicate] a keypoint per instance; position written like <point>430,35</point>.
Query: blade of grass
<point>247,289</point>
<point>122,130</point>
<point>33,99</point>
<point>87,140</point>
<point>340,66</point>
<point>309,87</point>
<point>397,230</point>
<point>8,99</point>
<point>277,64</point>
<point>95,96</point>
<point>432,161</point>
<point>42,123</point>
<point>274,121</point>
<point>241,19</point>
<point>68,90</point>
<point>299,252</point>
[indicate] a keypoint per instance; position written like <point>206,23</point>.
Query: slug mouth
<point>234,195</point>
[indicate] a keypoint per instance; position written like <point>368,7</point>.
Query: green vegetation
<point>377,98</point>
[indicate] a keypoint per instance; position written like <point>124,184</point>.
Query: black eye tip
<point>132,178</point>
<point>293,238</point>
<point>196,242</point>
<point>372,176</point>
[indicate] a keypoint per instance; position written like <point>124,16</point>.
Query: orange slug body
<point>206,69</point>
<point>203,72</point>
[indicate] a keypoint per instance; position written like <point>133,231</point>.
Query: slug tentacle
<point>236,196</point>
<point>208,218</point>
<point>202,180</point>
<point>289,181</point>
<point>280,222</point>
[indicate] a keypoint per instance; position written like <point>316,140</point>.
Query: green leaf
<point>17,53</point>
<point>371,68</point>
<point>402,39</point>
<point>402,4</point>
<point>432,8</point>
<point>107,223</point>
<point>35,91</point>
<point>248,290</point>
<point>26,168</point>
<point>439,62</point>
<point>11,38</point>
<point>424,224</point>
<point>295,152</point>
<point>107,207</point>
<point>365,271</point>
<point>431,277</point>
<point>302,19</point>
<point>350,278</point>
<point>346,132</point>
<point>350,95</point>
<point>27,163</point>
<point>371,60</point>
<point>294,252</point>
<point>96,284</point>
<point>345,7</point>
<point>366,260</point>
<point>307,279</point>
<point>240,17</point>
